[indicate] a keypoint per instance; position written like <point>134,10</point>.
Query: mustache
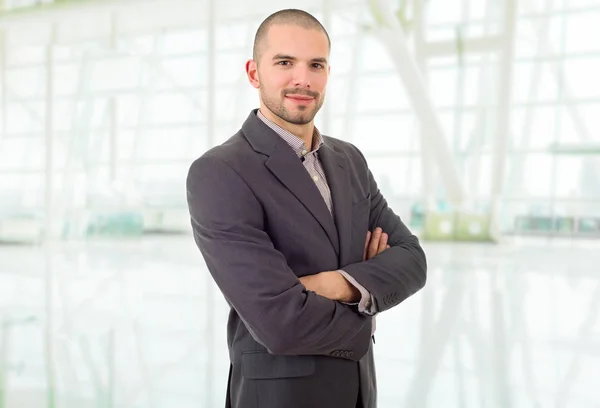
<point>304,92</point>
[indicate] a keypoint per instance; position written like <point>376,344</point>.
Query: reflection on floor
<point>140,324</point>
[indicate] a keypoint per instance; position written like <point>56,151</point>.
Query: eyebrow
<point>289,57</point>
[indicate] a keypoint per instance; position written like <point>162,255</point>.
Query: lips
<point>300,97</point>
<point>300,100</point>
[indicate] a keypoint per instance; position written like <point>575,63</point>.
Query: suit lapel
<point>336,171</point>
<point>288,169</point>
<point>286,166</point>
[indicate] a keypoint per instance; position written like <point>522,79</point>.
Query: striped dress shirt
<point>312,164</point>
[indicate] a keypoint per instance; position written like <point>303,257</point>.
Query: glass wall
<point>104,105</point>
<point>121,99</point>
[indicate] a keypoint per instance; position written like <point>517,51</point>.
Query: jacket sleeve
<point>398,272</point>
<point>227,221</point>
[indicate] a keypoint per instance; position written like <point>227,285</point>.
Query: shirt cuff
<point>366,304</point>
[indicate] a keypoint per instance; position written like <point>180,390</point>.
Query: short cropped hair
<point>288,16</point>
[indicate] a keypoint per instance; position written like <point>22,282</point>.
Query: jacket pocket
<point>362,207</point>
<point>265,366</point>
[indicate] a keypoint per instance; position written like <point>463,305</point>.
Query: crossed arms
<point>334,286</point>
<point>279,311</point>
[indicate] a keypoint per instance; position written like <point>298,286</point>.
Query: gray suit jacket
<point>260,223</point>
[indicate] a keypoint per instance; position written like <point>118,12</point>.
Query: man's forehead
<point>282,33</point>
<point>284,42</point>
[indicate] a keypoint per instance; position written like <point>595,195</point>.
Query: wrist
<point>346,291</point>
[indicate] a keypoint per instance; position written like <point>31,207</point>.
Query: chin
<point>301,119</point>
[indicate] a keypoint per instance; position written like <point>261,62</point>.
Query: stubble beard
<point>303,117</point>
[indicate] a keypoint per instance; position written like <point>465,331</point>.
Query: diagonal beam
<point>391,35</point>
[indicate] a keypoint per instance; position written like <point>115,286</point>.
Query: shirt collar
<point>296,143</point>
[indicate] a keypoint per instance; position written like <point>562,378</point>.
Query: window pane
<point>179,72</point>
<point>374,56</point>
<point>534,127</point>
<point>535,177</point>
<point>446,11</point>
<point>568,177</point>
<point>26,82</point>
<point>172,108</point>
<point>25,55</point>
<point>230,67</point>
<point>579,74</point>
<point>380,93</point>
<point>235,35</point>
<point>583,32</point>
<point>184,42</point>
<point>114,74</point>
<point>541,36</point>
<point>534,82</point>
<point>385,133</point>
<point>442,86</point>
<point>26,117</point>
<point>478,173</point>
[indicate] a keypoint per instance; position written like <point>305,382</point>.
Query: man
<point>280,214</point>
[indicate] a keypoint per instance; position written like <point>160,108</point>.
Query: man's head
<point>290,66</point>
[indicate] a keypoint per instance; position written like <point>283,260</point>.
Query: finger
<point>387,247</point>
<point>383,240</point>
<point>309,282</point>
<point>366,245</point>
<point>374,245</point>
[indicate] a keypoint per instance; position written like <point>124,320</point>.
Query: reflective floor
<point>139,324</point>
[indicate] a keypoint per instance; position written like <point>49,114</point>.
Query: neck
<point>304,132</point>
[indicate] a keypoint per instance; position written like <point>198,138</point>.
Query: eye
<point>317,65</point>
<point>283,63</point>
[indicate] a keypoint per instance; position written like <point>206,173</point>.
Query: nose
<point>301,77</point>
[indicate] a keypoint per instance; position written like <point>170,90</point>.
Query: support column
<point>504,115</point>
<point>112,111</point>
<point>427,159</point>
<point>3,82</point>
<point>49,222</point>
<point>49,138</point>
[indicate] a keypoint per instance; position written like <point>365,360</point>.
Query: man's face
<point>292,72</point>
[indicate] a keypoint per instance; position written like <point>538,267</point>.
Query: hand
<point>332,285</point>
<point>375,244</point>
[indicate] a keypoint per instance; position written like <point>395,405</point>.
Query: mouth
<point>303,99</point>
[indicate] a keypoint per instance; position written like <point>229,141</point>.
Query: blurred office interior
<point>479,120</point>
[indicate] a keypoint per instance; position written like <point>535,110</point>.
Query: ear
<point>252,72</point>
